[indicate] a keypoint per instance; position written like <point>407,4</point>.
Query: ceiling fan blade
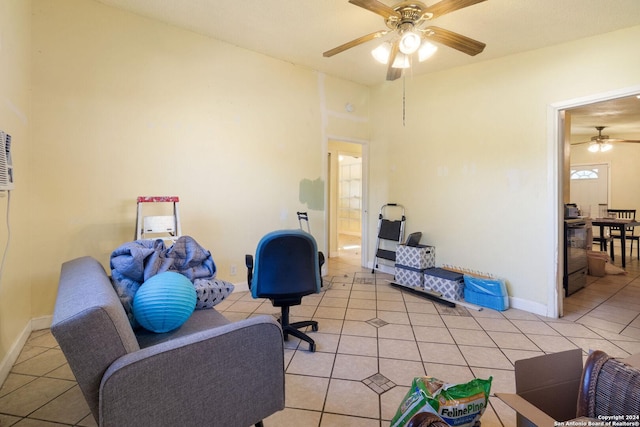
<point>454,40</point>
<point>376,7</point>
<point>393,73</point>
<point>354,43</point>
<point>623,140</point>
<point>447,6</point>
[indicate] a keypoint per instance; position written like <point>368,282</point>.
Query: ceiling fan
<point>408,22</point>
<point>602,142</point>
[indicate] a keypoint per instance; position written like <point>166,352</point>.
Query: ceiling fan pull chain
<point>404,81</point>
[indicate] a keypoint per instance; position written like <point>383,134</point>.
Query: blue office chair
<point>287,267</point>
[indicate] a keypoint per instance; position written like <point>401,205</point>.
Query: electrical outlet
<point>234,269</point>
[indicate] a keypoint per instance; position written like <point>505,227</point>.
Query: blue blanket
<point>134,262</point>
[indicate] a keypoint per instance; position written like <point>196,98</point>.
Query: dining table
<point>619,223</point>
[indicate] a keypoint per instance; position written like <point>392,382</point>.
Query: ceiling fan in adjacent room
<point>602,142</point>
<point>408,25</point>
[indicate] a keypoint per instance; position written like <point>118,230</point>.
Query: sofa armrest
<point>232,375</point>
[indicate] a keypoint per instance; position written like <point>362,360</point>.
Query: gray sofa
<point>209,372</point>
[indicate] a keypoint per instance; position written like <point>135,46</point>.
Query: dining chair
<point>629,231</point>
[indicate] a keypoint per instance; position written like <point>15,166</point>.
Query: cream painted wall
<point>473,164</point>
<point>15,119</point>
<point>125,106</point>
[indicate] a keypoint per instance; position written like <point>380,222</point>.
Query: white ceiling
<point>299,31</point>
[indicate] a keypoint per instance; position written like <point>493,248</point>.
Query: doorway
<point>347,202</point>
<point>559,138</point>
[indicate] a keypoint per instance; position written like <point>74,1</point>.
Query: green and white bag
<point>459,405</point>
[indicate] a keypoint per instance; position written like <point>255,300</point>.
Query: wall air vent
<point>6,165</point>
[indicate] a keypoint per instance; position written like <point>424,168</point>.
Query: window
<point>584,174</point>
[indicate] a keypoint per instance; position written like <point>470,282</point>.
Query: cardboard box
<point>546,388</point>
<point>448,283</point>
<point>409,276</point>
<point>420,256</point>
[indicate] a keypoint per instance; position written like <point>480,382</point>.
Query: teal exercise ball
<point>164,302</point>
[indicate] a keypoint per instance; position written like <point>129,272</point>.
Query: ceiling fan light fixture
<point>409,43</point>
<point>426,51</point>
<point>594,148</point>
<point>401,61</point>
<point>382,52</point>
<point>605,147</point>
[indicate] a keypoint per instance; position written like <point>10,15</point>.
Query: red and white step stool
<point>165,227</point>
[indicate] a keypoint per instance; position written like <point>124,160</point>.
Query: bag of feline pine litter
<point>459,405</point>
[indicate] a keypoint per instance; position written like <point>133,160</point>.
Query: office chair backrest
<point>286,265</point>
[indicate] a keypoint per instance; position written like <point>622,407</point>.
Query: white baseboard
<point>40,323</point>
<point>530,306</point>
<point>14,352</point>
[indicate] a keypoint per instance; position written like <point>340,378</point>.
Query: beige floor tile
<point>392,306</point>
<point>391,401</point>
<point>330,326</point>
<point>316,364</point>
<point>33,395</point>
<point>70,408</point>
<point>14,382</point>
<point>388,295</point>
<point>510,340</point>
<point>441,353</point>
<point>420,307</point>
<point>330,313</point>
<point>471,337</point>
<point>401,372</point>
<point>360,346</point>
<point>485,357</point>
<point>498,325</point>
<point>515,355</point>
<point>365,293</point>
<point>337,293</point>
<point>426,319</point>
<point>333,302</point>
<point>352,398</point>
<point>601,324</point>
<point>360,314</point>
<point>335,420</point>
<point>8,420</point>
<point>461,322</point>
<point>351,367</point>
<point>88,421</point>
<point>398,349</point>
<point>363,304</point>
<point>573,330</point>
<point>454,374</point>
<point>433,334</point>
<point>63,373</point>
<point>359,328</point>
<point>587,344</point>
<point>326,343</point>
<point>394,317</point>
<point>244,306</point>
<point>503,381</point>
<point>631,332</point>
<point>290,417</point>
<point>550,343</point>
<point>305,392</point>
<point>43,338</point>
<point>533,327</point>
<point>400,332</point>
<point>515,314</point>
<point>41,364</point>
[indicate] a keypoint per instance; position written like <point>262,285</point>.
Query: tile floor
<point>373,340</point>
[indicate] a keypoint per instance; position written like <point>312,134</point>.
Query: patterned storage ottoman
<point>420,256</point>
<point>448,283</point>
<point>409,276</point>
